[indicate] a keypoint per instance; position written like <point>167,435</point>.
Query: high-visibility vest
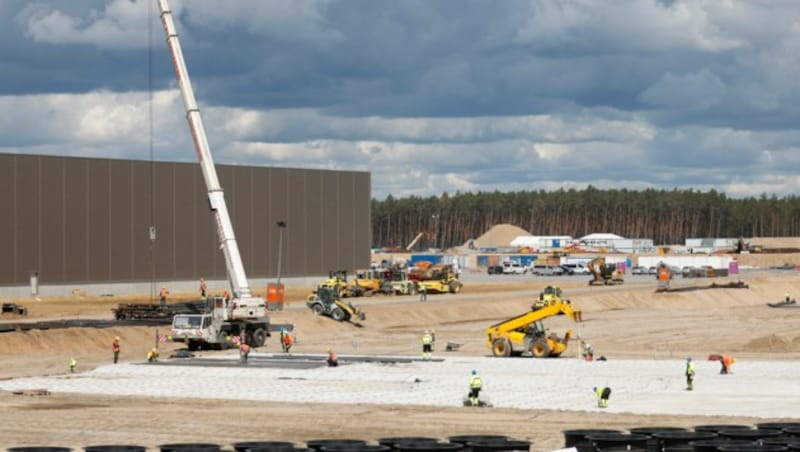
<point>427,339</point>
<point>689,369</point>
<point>475,382</point>
<point>115,346</point>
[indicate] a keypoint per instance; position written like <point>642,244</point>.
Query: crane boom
<point>245,305</point>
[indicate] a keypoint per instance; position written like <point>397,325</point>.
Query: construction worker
<point>162,295</point>
<point>727,362</point>
<point>288,340</point>
<point>203,288</point>
<point>602,396</point>
<point>423,293</point>
<point>226,295</point>
<point>588,352</point>
<point>788,296</point>
<point>333,361</point>
<point>689,374</point>
<point>244,352</point>
<point>115,348</point>
<point>475,386</point>
<point>427,345</point>
<point>73,363</point>
<point>152,355</point>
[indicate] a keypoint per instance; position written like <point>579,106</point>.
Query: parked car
<point>547,270</point>
<point>514,268</point>
<point>567,270</point>
<point>576,269</point>
<point>652,271</point>
<point>495,270</point>
<point>639,270</point>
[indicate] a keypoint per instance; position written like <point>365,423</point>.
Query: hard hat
<point>474,372</point>
<point>688,358</point>
<point>117,338</point>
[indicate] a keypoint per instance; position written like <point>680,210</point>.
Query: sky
<point>429,96</point>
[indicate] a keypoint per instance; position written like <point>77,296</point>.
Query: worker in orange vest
<point>226,295</point>
<point>288,340</point>
<point>244,352</point>
<point>163,295</point>
<point>115,348</point>
<point>727,362</point>
<point>202,288</point>
<point>333,361</point>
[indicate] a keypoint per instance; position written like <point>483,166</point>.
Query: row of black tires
<point>766,437</point>
<point>476,443</point>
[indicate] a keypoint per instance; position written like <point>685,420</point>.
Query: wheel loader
<point>526,335</point>
<point>325,302</point>
<point>372,281</point>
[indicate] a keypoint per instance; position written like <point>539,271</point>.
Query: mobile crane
<point>525,333</point>
<point>241,315</point>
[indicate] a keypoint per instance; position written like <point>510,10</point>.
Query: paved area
<point>765,389</point>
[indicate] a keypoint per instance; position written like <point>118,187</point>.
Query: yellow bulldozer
<point>526,335</point>
<point>337,282</point>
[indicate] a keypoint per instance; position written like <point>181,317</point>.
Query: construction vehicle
<point>525,334</point>
<point>605,274</point>
<point>241,315</point>
<point>398,282</point>
<point>325,302</point>
<point>337,281</point>
<point>373,281</point>
<point>434,279</point>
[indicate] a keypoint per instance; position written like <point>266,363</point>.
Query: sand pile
<point>500,235</point>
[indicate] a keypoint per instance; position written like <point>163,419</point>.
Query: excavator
<point>525,334</point>
<point>605,274</point>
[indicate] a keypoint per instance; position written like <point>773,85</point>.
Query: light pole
<point>281,226</point>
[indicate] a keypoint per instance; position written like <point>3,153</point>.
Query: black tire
<point>501,348</point>
<point>317,309</point>
<point>455,287</point>
<point>338,314</point>
<point>540,349</point>
<point>192,346</point>
<point>258,338</point>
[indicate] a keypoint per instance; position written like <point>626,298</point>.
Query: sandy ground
<point>644,335</point>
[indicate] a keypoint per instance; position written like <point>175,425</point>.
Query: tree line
<point>666,216</point>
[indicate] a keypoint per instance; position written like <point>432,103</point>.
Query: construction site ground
<point>645,337</point>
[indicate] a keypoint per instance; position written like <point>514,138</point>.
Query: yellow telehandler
<point>525,334</point>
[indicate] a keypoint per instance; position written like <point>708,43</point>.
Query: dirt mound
<point>771,343</point>
<point>500,235</point>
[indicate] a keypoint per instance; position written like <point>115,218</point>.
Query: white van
<point>546,270</point>
<point>514,268</point>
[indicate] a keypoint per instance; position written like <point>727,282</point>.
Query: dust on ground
<point>627,321</point>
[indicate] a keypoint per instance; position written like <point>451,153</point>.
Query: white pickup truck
<point>514,268</point>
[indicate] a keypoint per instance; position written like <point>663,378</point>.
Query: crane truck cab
<point>218,326</point>
<point>525,334</point>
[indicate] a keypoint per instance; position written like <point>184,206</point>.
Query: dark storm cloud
<point>460,94</point>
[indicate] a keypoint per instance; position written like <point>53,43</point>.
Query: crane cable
<point>152,228</point>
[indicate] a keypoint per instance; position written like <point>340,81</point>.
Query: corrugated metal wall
<point>86,220</point>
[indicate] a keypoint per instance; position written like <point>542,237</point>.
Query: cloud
<point>428,96</point>
<point>120,24</point>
